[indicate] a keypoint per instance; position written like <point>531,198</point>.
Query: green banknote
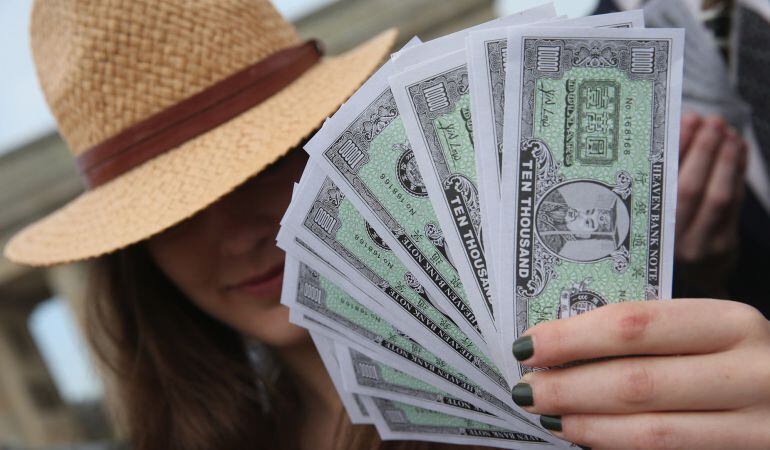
<point>434,101</point>
<point>369,376</point>
<point>396,420</point>
<point>339,314</point>
<point>364,149</point>
<point>590,185</point>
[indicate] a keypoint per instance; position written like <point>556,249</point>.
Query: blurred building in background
<point>40,176</point>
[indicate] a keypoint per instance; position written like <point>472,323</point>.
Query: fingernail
<point>522,395</point>
<point>552,423</point>
<point>584,447</point>
<point>523,348</point>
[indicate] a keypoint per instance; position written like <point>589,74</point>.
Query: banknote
<point>369,376</point>
<point>338,315</point>
<point>484,144</point>
<point>434,102</point>
<point>363,148</point>
<point>396,420</point>
<point>487,59</point>
<point>589,173</point>
<point>353,404</point>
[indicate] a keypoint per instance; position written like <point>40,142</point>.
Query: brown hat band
<point>195,115</point>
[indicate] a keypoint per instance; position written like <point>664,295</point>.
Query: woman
<point>189,159</point>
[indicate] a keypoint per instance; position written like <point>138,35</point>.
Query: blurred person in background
<point>186,121</point>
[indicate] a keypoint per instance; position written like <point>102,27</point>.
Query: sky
<point>63,349</point>
<point>24,116</point>
<point>23,112</point>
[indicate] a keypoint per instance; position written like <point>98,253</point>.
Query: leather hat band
<point>195,115</point>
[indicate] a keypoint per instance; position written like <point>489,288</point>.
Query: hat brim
<point>177,184</point>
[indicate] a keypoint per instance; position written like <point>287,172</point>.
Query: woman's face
<point>225,259</point>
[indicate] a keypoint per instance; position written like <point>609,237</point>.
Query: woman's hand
<point>712,162</point>
<point>703,382</point>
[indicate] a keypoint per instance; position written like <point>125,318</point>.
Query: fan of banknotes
<point>519,171</point>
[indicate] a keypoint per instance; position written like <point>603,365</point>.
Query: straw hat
<point>169,105</point>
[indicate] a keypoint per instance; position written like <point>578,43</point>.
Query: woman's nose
<point>241,225</point>
<point>240,240</point>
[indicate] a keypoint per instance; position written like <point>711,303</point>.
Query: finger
<point>695,170</point>
<point>690,123</point>
<point>746,430</point>
<point>721,194</point>
<point>639,328</point>
<point>645,384</point>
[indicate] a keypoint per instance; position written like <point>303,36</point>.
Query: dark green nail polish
<point>522,395</point>
<point>552,423</point>
<point>584,447</point>
<point>523,348</point>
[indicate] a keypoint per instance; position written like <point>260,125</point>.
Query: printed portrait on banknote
<point>583,221</point>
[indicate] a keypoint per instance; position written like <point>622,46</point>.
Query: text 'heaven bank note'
<point>589,189</point>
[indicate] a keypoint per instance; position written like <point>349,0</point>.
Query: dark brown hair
<point>183,379</point>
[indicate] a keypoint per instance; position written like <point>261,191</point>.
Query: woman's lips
<point>263,286</point>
